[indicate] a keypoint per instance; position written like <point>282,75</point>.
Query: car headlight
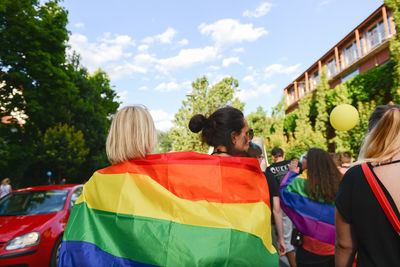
<point>23,241</point>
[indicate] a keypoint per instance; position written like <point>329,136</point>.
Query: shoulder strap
<point>381,197</point>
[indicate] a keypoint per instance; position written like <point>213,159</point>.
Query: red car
<point>32,222</point>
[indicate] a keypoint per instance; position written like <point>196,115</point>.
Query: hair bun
<point>197,123</point>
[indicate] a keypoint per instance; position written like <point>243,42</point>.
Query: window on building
<point>292,98</point>
<point>375,35</point>
<point>302,88</point>
<point>350,54</point>
<point>314,79</point>
<point>388,20</point>
<point>331,67</point>
<point>350,75</point>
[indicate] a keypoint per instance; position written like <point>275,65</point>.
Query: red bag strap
<point>373,183</point>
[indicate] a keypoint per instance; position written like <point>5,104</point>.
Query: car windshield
<point>33,202</point>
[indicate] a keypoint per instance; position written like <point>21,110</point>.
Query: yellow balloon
<point>344,117</point>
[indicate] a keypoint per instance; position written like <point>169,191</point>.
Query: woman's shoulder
<point>354,172</point>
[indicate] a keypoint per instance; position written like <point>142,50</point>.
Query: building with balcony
<point>362,49</point>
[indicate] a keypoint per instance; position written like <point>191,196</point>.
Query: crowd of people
<point>325,209</point>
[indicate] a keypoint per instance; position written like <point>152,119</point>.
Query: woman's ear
<point>233,137</point>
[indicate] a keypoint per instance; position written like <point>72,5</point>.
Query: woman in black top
<point>255,151</point>
<point>361,224</point>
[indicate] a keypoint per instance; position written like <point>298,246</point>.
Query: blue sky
<point>154,50</point>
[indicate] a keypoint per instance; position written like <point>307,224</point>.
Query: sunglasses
<point>250,133</point>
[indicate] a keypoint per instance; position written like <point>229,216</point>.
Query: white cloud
<point>122,95</point>
<point>79,25</point>
<point>238,50</point>
<point>262,89</point>
<point>228,61</point>
<point>248,79</point>
<point>229,31</point>
<point>141,64</point>
<point>143,48</point>
<point>324,3</point>
<point>186,58</point>
<point>167,87</point>
<point>165,37</point>
<point>143,88</point>
<point>148,40</point>
<point>162,119</point>
<point>214,67</point>
<point>183,42</point>
<point>172,86</point>
<point>260,11</point>
<point>144,60</point>
<point>280,69</point>
<point>103,51</point>
<point>122,40</point>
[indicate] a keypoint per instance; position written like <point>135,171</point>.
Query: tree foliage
<point>260,123</point>
<point>202,100</point>
<point>63,149</point>
<point>394,6</point>
<point>39,82</point>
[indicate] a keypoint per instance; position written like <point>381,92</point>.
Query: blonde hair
<point>6,181</point>
<point>383,141</point>
<point>132,135</point>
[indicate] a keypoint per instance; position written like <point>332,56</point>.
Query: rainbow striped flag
<point>174,209</point>
<point>313,218</point>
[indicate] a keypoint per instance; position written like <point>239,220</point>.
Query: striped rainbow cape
<point>174,209</point>
<point>313,218</point>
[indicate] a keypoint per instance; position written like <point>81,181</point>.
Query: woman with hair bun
<point>226,130</point>
<point>368,201</point>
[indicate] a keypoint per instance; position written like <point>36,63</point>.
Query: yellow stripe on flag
<point>140,195</point>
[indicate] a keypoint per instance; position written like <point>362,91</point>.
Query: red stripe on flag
<point>195,176</point>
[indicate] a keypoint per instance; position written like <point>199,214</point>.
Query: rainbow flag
<point>174,209</point>
<point>313,218</point>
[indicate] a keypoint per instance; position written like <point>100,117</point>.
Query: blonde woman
<point>132,135</point>
<point>5,187</point>
<point>361,223</point>
<point>131,138</point>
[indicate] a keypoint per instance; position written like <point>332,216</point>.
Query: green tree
<point>259,122</point>
<point>164,142</point>
<point>278,117</point>
<point>202,100</point>
<point>394,5</point>
<point>63,149</point>
<point>32,59</point>
<point>39,82</point>
<point>92,111</point>
<point>322,118</point>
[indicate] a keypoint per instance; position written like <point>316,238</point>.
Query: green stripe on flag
<point>166,243</point>
<point>297,186</point>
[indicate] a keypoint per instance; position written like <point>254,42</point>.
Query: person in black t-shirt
<point>280,166</point>
<point>278,170</point>
<point>255,151</point>
<point>361,224</point>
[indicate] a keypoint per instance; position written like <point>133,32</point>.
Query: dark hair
<point>323,177</point>
<point>345,157</point>
<point>336,158</point>
<point>277,152</point>
<point>378,113</point>
<point>218,128</point>
<point>254,151</point>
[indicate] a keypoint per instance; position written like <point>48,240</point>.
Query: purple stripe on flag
<point>308,207</point>
<point>316,229</point>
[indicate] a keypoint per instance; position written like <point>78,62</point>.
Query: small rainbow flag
<point>313,218</point>
<point>174,209</point>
